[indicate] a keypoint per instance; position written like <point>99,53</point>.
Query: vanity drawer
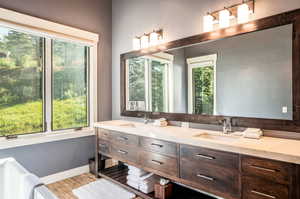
<point>104,134</point>
<point>209,177</point>
<point>202,155</point>
<point>104,146</point>
<point>254,188</point>
<point>125,139</point>
<point>124,153</point>
<point>272,170</point>
<point>159,146</point>
<point>159,162</point>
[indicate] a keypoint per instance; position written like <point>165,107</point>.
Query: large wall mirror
<point>249,76</point>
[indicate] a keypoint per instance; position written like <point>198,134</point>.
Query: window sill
<point>40,138</point>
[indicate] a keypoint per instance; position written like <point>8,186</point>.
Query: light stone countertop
<point>286,150</point>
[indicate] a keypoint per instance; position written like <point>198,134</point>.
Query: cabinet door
<point>255,188</point>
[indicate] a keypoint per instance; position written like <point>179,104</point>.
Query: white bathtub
<point>17,183</point>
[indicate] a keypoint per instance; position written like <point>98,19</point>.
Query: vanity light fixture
<point>224,18</point>
<point>243,13</point>
<point>144,41</point>
<point>235,14</point>
<point>153,39</point>
<point>136,42</point>
<point>208,23</point>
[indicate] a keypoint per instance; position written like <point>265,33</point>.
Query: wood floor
<point>63,189</point>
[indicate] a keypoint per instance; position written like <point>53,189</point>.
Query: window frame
<point>48,31</point>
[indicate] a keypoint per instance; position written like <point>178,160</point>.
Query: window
<point>148,86</point>
<point>43,81</point>
<point>21,82</point>
<point>202,85</point>
<point>69,85</point>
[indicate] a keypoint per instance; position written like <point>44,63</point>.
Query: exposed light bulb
<point>144,41</point>
<point>224,18</point>
<point>154,38</point>
<point>136,42</point>
<point>243,13</point>
<point>208,23</point>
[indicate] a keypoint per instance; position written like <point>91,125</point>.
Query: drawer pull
<point>158,145</point>
<point>102,145</point>
<point>263,169</point>
<point>122,152</point>
<point>205,157</point>
<point>263,194</point>
<point>122,138</point>
<point>205,177</point>
<point>156,162</point>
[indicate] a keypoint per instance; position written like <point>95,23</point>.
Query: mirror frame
<point>291,17</point>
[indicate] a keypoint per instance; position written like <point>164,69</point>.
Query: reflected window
<point>202,85</point>
<point>147,83</point>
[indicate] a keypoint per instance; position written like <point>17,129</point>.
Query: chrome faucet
<point>227,127</point>
<point>146,118</point>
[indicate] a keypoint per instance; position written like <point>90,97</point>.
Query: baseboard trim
<point>65,174</point>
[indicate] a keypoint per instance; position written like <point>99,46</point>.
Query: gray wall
<point>178,18</point>
<point>253,73</point>
<point>94,16</point>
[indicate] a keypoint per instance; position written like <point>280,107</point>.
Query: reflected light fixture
<point>224,18</point>
<point>145,41</point>
<point>154,38</point>
<point>243,13</point>
<point>208,23</point>
<point>136,42</point>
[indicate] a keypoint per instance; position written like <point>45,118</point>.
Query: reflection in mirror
<point>148,83</point>
<point>249,75</point>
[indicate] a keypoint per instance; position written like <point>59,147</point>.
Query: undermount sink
<point>222,137</point>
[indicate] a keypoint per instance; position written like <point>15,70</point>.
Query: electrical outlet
<point>284,109</point>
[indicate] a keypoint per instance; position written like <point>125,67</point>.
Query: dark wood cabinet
<point>125,139</point>
<point>124,153</point>
<point>159,162</point>
<point>203,155</point>
<point>254,188</point>
<point>225,174</point>
<point>275,171</point>
<point>268,179</point>
<point>159,146</point>
<point>211,178</point>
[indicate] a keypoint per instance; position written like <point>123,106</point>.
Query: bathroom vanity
<point>246,74</point>
<point>227,166</point>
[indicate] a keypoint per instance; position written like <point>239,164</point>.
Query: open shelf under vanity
<point>118,174</point>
